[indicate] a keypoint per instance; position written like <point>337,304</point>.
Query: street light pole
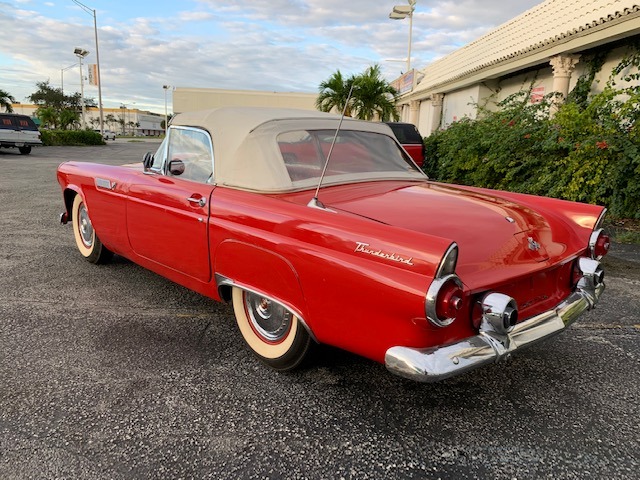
<point>400,12</point>
<point>95,30</point>
<point>165,87</point>
<point>81,53</point>
<point>62,70</point>
<point>123,109</point>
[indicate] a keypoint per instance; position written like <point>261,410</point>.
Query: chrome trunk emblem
<point>533,245</point>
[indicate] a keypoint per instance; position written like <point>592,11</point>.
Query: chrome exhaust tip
<point>499,313</point>
<point>591,270</point>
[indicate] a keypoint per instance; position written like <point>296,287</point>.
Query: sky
<point>274,45</point>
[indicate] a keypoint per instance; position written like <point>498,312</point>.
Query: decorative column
<point>437,99</point>
<point>563,66</point>
<point>414,110</point>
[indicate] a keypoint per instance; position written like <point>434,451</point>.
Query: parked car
<point>323,235</point>
<point>106,134</point>
<point>18,131</point>
<point>410,139</point>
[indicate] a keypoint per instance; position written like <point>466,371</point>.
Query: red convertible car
<point>320,230</point>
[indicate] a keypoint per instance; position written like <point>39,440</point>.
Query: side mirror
<point>147,160</point>
<point>176,167</point>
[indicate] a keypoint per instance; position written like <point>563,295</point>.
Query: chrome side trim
<point>222,280</point>
<point>600,219</point>
<point>447,264</point>
<point>437,363</point>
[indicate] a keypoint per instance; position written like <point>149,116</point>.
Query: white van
<point>18,131</point>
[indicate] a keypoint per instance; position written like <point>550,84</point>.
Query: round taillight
<point>599,244</point>
<point>443,300</point>
<point>602,245</point>
<point>449,300</point>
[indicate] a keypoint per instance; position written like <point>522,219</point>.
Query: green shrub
<point>71,137</point>
<point>589,151</point>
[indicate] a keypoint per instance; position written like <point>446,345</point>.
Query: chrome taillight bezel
<point>594,239</point>
<point>444,275</point>
<point>431,304</point>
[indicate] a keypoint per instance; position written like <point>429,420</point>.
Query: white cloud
<point>282,45</point>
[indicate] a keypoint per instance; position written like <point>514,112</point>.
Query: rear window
<point>304,153</point>
<point>406,133</point>
<point>21,122</point>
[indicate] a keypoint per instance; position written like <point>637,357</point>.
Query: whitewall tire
<point>86,238</point>
<point>271,331</point>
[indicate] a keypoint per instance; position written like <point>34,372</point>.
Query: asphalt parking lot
<point>112,372</point>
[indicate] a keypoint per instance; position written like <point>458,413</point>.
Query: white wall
<point>190,99</point>
<point>462,103</point>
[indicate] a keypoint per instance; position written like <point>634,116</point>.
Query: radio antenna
<point>314,202</point>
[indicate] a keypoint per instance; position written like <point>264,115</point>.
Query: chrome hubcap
<point>85,227</point>
<point>269,319</point>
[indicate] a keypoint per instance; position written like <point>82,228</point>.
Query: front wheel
<point>273,333</point>
<point>87,241</point>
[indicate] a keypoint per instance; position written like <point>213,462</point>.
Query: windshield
<point>305,151</point>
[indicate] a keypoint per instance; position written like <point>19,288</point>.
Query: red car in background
<point>318,233</point>
<point>410,139</point>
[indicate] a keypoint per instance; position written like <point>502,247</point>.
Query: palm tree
<point>48,116</point>
<point>68,117</point>
<point>6,100</point>
<point>333,93</point>
<point>110,119</point>
<point>374,97</point>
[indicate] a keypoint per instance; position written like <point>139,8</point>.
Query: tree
<point>333,93</point>
<point>372,96</point>
<point>68,118</point>
<point>48,116</point>
<point>67,108</point>
<point>6,100</point>
<point>48,96</point>
<point>122,123</point>
<point>110,119</point>
<point>132,126</point>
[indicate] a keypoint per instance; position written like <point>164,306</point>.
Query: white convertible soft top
<point>246,151</point>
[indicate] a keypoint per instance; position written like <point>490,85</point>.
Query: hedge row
<point>71,137</point>
<point>588,151</point>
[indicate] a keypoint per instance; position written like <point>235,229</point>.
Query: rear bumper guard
<point>489,346</point>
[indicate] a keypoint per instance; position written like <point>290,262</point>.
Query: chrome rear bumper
<point>437,363</point>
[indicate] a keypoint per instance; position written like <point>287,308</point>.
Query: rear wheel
<point>87,240</point>
<point>25,150</point>
<point>273,333</point>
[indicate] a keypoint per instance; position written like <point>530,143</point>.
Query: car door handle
<point>200,201</point>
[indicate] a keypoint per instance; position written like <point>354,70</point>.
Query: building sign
<point>537,94</point>
<point>404,83</point>
<point>93,74</point>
